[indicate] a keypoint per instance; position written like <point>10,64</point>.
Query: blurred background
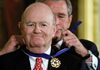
<point>86,11</point>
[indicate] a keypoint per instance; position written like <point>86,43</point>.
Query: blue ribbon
<point>45,55</point>
<point>75,26</point>
<point>61,51</point>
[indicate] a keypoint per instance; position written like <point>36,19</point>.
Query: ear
<point>69,20</point>
<point>20,26</point>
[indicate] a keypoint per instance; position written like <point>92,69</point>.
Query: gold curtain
<point>89,14</point>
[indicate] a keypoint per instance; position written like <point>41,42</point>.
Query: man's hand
<point>72,41</point>
<point>10,46</point>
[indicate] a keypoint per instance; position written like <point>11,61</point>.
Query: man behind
<point>37,27</point>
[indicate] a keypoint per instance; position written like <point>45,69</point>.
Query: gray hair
<point>68,3</point>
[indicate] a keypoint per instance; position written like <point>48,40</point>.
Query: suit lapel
<point>24,62</point>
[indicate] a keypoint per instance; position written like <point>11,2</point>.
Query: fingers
<point>15,40</point>
<point>12,44</point>
<point>69,38</point>
<point>72,41</point>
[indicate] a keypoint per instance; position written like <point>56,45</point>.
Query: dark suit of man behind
<point>90,46</point>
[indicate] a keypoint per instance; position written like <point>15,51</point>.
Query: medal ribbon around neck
<point>43,55</point>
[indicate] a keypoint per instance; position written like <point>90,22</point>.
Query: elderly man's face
<point>38,27</point>
<point>63,20</point>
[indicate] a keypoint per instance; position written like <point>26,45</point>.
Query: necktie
<point>38,64</point>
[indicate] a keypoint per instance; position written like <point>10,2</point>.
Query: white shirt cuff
<point>94,63</point>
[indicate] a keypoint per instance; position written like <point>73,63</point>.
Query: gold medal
<point>55,62</point>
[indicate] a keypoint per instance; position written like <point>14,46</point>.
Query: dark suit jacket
<point>90,46</point>
<point>18,60</point>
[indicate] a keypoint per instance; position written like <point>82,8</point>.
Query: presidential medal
<point>55,62</point>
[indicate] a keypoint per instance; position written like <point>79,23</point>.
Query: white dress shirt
<point>45,61</point>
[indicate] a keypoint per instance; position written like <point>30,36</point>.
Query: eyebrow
<point>62,14</point>
<point>37,22</point>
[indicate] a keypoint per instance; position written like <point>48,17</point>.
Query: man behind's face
<point>63,21</point>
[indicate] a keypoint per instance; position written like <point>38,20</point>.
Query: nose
<point>37,29</point>
<point>57,23</point>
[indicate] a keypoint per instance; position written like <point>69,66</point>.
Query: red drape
<point>12,13</point>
